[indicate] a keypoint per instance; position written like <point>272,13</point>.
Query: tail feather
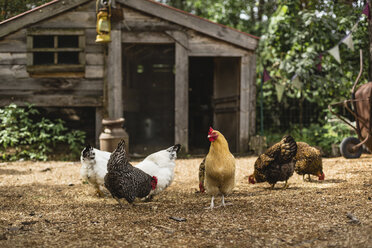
<point>288,149</point>
<point>119,157</point>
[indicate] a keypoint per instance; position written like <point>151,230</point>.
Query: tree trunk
<point>261,6</point>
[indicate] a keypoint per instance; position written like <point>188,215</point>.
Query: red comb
<point>210,130</point>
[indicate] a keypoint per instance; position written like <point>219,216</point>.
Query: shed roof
<point>151,7</point>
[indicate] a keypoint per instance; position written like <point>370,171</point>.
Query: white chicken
<point>160,164</point>
<point>94,167</point>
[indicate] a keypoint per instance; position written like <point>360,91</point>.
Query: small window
<point>43,58</point>
<point>68,41</point>
<point>55,51</point>
<point>43,41</point>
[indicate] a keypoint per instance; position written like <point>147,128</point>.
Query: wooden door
<point>226,97</point>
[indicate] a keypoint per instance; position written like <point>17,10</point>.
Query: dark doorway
<point>148,93</point>
<point>226,99</point>
<point>201,70</point>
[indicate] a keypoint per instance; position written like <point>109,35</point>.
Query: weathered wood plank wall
<point>60,90</point>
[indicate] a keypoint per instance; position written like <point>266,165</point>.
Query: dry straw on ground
<point>46,204</point>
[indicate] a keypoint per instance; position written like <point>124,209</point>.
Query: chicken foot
<point>99,192</point>
<point>285,185</point>
<point>223,204</point>
<point>118,200</point>
<point>212,204</point>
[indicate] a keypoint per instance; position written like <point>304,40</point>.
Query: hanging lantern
<point>103,25</point>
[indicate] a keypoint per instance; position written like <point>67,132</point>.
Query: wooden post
<point>99,117</point>
<point>244,105</point>
<point>252,94</point>
<point>114,75</point>
<point>247,101</point>
<point>181,123</point>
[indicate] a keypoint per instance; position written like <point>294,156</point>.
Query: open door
<point>226,97</point>
<point>201,70</point>
<point>148,96</point>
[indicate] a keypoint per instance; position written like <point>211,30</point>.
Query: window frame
<point>56,68</point>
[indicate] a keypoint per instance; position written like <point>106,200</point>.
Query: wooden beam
<point>252,76</point>
<point>36,15</point>
<point>98,130</point>
<point>55,68</point>
<point>181,123</point>
<point>146,38</point>
<point>194,22</point>
<point>179,37</point>
<point>52,100</point>
<point>114,75</point>
<point>244,105</point>
<point>45,85</point>
<point>53,31</point>
<point>247,101</point>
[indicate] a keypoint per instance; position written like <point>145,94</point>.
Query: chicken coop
<point>168,73</point>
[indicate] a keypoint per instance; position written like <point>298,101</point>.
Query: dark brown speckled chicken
<point>125,181</point>
<point>276,164</point>
<point>308,161</point>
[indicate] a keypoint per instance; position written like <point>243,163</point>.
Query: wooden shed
<point>169,73</point>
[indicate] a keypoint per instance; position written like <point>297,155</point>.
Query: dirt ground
<point>44,204</point>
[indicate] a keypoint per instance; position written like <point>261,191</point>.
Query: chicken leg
<point>285,185</point>
<point>99,192</point>
<point>223,204</point>
<point>118,200</point>
<point>212,204</point>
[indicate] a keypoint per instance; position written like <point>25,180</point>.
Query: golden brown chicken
<point>308,161</point>
<point>202,176</point>
<point>276,164</point>
<point>219,167</point>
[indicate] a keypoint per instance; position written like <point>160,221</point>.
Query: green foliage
<point>246,15</point>
<point>24,134</point>
<point>9,8</point>
<point>295,37</point>
<point>321,136</point>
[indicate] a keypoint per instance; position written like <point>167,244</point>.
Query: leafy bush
<point>321,136</point>
<point>24,134</point>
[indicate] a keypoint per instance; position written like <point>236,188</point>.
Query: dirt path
<point>46,204</point>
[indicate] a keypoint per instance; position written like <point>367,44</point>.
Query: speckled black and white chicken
<point>308,161</point>
<point>276,164</point>
<point>125,181</point>
<point>94,167</point>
